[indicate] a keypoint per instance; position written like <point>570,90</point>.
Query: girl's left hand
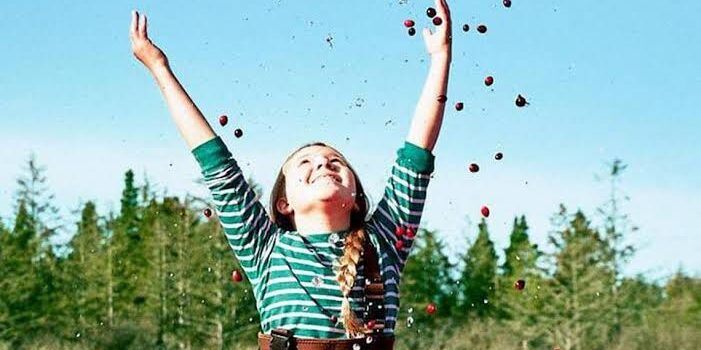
<point>440,42</point>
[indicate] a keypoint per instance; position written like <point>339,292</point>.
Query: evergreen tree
<point>479,275</point>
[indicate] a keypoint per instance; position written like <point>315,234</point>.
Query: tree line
<point>157,274</point>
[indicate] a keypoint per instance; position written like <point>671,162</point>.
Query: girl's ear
<point>283,206</point>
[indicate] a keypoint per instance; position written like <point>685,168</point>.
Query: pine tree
<point>479,275</point>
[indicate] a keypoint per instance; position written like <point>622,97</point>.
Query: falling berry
<point>399,231</point>
<point>408,23</point>
<point>442,98</point>
<point>485,211</point>
<point>498,156</point>
<point>465,28</point>
<point>399,244</point>
<point>507,3</point>
<point>474,168</point>
<point>208,212</point>
<point>459,106</point>
<point>482,28</point>
<point>223,120</point>
<point>431,308</point>
<point>412,31</point>
<point>521,101</point>
<point>431,12</point>
<point>334,319</point>
<point>489,80</point>
<point>520,284</point>
<point>410,234</point>
<point>238,133</point>
<point>236,276</point>
<point>370,324</point>
<point>437,21</point>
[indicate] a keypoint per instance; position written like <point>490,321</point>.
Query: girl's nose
<point>320,161</point>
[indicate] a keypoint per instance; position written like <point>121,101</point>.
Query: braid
<point>346,278</point>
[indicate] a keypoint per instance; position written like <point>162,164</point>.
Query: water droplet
<point>77,335</point>
<point>333,238</point>
<point>409,321</point>
<point>411,309</point>
<point>250,319</point>
<point>369,340</point>
<point>209,269</point>
<point>171,274</point>
<point>486,301</point>
<point>356,346</point>
<point>518,257</point>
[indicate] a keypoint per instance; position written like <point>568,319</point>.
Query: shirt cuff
<point>416,158</point>
<point>211,154</point>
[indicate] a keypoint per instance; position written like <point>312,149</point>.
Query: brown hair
<point>347,270</point>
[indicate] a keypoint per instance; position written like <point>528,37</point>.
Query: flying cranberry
<point>399,244</point>
<point>408,23</point>
<point>474,168</point>
<point>223,119</point>
<point>489,80</point>
<point>431,308</point>
<point>520,284</point>
<point>334,319</point>
<point>399,231</point>
<point>430,12</point>
<point>459,106</point>
<point>236,276</point>
<point>482,28</point>
<point>370,324</point>
<point>465,28</point>
<point>437,21</point>
<point>507,3</point>
<point>238,133</point>
<point>442,98</point>
<point>410,234</point>
<point>485,211</point>
<point>520,101</point>
<point>412,31</point>
<point>498,156</point>
<point>208,212</point>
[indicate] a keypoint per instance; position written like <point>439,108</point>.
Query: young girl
<point>323,276</point>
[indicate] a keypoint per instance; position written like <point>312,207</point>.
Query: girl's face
<point>317,177</point>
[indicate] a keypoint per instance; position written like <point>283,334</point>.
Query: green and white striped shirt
<point>293,276</point>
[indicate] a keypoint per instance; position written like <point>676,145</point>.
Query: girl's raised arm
<point>189,120</point>
<point>428,116</point>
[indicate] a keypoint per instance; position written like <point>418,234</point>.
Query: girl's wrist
<point>441,57</point>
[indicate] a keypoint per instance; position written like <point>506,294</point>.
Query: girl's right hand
<point>142,47</point>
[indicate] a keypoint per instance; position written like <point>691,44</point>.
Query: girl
<point>323,276</point>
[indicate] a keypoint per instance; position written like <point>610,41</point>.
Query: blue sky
<point>605,80</point>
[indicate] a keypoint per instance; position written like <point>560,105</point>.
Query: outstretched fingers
<point>133,24</point>
<point>142,27</point>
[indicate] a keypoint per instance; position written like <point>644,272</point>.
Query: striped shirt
<point>294,276</point>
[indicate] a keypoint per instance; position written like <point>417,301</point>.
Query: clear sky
<point>605,80</point>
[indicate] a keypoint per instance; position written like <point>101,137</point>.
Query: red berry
<point>485,211</point>
<point>520,284</point>
<point>507,3</point>
<point>465,27</point>
<point>430,12</point>
<point>474,168</point>
<point>208,212</point>
<point>521,101</point>
<point>442,98</point>
<point>498,156</point>
<point>489,80</point>
<point>236,276</point>
<point>431,308</point>
<point>482,28</point>
<point>437,21</point>
<point>399,244</point>
<point>410,234</point>
<point>459,106</point>
<point>399,231</point>
<point>334,319</point>
<point>412,31</point>
<point>408,23</point>
<point>223,119</point>
<point>370,324</point>
<point>238,133</point>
